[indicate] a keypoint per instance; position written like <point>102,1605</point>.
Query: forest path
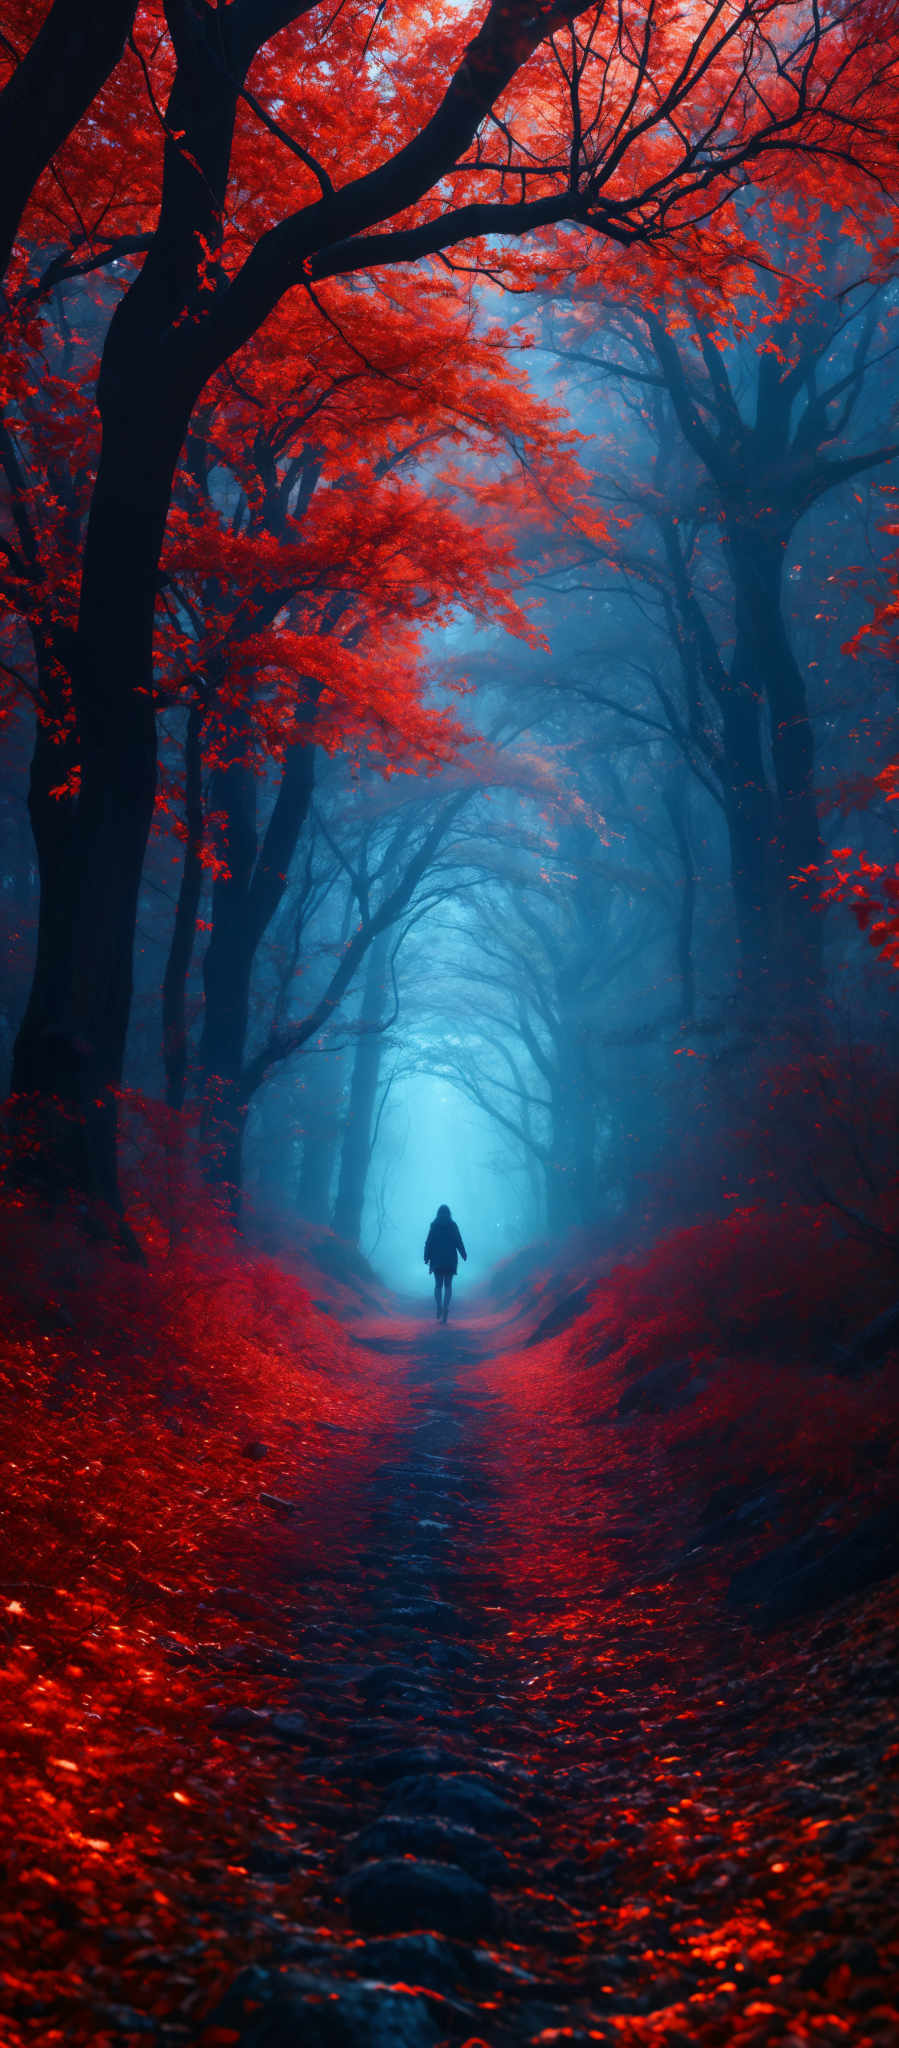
<point>536,1802</point>
<point>461,1921</point>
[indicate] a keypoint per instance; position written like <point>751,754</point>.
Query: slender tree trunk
<point>570,1176</point>
<point>244,901</point>
<point>355,1154</point>
<point>750,825</point>
<point>37,1054</point>
<point>676,806</point>
<point>561,1204</point>
<point>573,1113</point>
<point>773,672</point>
<point>174,986</point>
<point>228,965</point>
<point>537,1185</point>
<point>321,1123</point>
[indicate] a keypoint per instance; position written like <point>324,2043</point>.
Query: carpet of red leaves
<point>698,1417</point>
<point>174,1447</point>
<point>183,1448</point>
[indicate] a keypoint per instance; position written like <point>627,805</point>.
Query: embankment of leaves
<point>697,1472</point>
<point>336,1274</point>
<point>174,1444</point>
<point>748,1369</point>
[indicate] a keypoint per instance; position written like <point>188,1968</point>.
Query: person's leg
<point>438,1294</point>
<point>447,1291</point>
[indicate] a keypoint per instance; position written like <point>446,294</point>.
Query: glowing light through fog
<point>436,1147</point>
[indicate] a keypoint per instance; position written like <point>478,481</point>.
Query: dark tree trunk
<point>75,50</point>
<point>321,1123</point>
<point>41,1123</point>
<point>355,1154</point>
<point>750,824</point>
<point>561,1203</point>
<point>85,963</point>
<point>244,901</point>
<point>113,685</point>
<point>772,674</point>
<point>768,471</point>
<point>575,1089</point>
<point>570,1177</point>
<point>151,375</point>
<point>228,965</point>
<point>676,806</point>
<point>174,986</point>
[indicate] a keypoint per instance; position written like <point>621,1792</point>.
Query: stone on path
<point>437,1617</point>
<point>438,1841</point>
<point>289,1727</point>
<point>467,1800</point>
<point>295,2010</point>
<point>427,1960</point>
<point>398,1893</point>
<point>382,1767</point>
<point>388,1678</point>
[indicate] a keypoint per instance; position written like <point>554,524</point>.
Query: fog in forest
<point>556,968</point>
<point>601,990</point>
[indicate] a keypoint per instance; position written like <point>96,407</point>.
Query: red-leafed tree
<point>633,127</point>
<point>307,552</point>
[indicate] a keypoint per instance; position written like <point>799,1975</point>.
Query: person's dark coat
<point>444,1243</point>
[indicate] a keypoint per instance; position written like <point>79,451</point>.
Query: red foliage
<point>134,1528</point>
<point>688,1422</point>
<point>751,1305</point>
<point>871,891</point>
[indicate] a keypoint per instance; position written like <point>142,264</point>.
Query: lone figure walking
<point>442,1248</point>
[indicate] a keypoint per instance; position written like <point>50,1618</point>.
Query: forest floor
<point>541,1719</point>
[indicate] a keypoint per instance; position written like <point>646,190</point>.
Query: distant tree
<point>356,1146</point>
<point>767,424</point>
<point>536,995</point>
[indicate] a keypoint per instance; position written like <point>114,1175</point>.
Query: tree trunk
<point>773,674</point>
<point>152,372</point>
<point>355,1154</point>
<point>81,1001</point>
<point>244,901</point>
<point>174,986</point>
<point>570,1176</point>
<point>113,682</point>
<point>321,1122</point>
<point>228,965</point>
<point>574,1108</point>
<point>38,1067</point>
<point>750,824</point>
<point>676,804</point>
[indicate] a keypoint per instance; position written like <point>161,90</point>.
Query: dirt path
<point>416,1787</point>
<point>537,1800</point>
